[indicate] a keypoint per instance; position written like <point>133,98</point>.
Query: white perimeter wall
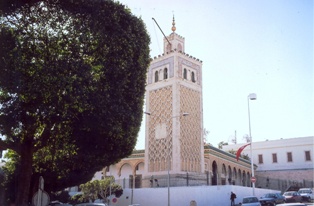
<point>182,196</point>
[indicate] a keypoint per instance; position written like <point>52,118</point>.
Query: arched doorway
<point>235,177</point>
<point>229,175</point>
<point>215,173</point>
<point>223,175</point>
<point>244,179</point>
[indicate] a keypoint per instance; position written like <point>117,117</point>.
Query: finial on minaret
<point>173,25</point>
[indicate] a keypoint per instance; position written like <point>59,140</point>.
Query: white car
<point>292,204</point>
<point>307,194</point>
<point>250,201</point>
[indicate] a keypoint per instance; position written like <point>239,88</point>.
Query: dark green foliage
<point>72,86</point>
<point>221,144</point>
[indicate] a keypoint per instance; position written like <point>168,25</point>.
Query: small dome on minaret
<point>173,25</point>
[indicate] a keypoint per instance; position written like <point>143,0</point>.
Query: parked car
<point>58,203</point>
<point>250,201</point>
<point>292,204</point>
<point>91,204</point>
<point>271,199</point>
<point>307,194</point>
<point>292,196</point>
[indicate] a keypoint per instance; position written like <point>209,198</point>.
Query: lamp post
<point>168,159</point>
<point>251,96</point>
<point>133,185</point>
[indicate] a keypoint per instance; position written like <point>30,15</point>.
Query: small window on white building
<point>307,156</point>
<point>274,158</point>
<point>289,156</point>
<point>185,73</point>
<point>260,159</point>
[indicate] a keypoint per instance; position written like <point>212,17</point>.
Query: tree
<point>96,189</point>
<point>221,144</point>
<point>72,86</point>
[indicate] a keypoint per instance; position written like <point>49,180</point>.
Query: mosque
<point>175,152</point>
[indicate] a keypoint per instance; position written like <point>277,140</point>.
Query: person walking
<point>232,197</point>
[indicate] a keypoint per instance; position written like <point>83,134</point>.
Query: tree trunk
<point>24,175</point>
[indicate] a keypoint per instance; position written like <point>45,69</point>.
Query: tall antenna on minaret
<point>161,30</point>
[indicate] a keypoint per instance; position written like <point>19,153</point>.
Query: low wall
<point>182,196</point>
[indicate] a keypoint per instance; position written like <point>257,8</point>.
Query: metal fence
<point>175,180</point>
<point>282,185</point>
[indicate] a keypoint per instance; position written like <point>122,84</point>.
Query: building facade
<point>282,162</point>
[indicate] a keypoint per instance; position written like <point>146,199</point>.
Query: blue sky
<point>247,46</point>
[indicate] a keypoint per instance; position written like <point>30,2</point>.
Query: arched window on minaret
<point>168,48</point>
<point>193,77</point>
<point>185,73</point>
<point>156,76</point>
<point>165,73</point>
<point>180,47</point>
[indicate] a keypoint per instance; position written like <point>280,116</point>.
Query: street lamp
<point>184,114</point>
<point>251,96</point>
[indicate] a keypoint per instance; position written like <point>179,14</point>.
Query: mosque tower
<point>174,108</point>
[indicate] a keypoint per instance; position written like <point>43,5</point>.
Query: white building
<point>290,160</point>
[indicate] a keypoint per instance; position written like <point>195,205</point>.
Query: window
<point>289,156</point>
<point>156,76</point>
<point>168,47</point>
<point>165,73</point>
<point>179,47</point>
<point>193,77</point>
<point>274,158</point>
<point>184,74</point>
<point>136,168</point>
<point>307,156</point>
<point>260,159</point>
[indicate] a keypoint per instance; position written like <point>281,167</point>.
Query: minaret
<point>174,140</point>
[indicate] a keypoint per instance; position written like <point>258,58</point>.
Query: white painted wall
<point>297,146</point>
<point>182,196</point>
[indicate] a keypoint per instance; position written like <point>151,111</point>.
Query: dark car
<point>271,199</point>
<point>292,196</point>
<point>58,203</point>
